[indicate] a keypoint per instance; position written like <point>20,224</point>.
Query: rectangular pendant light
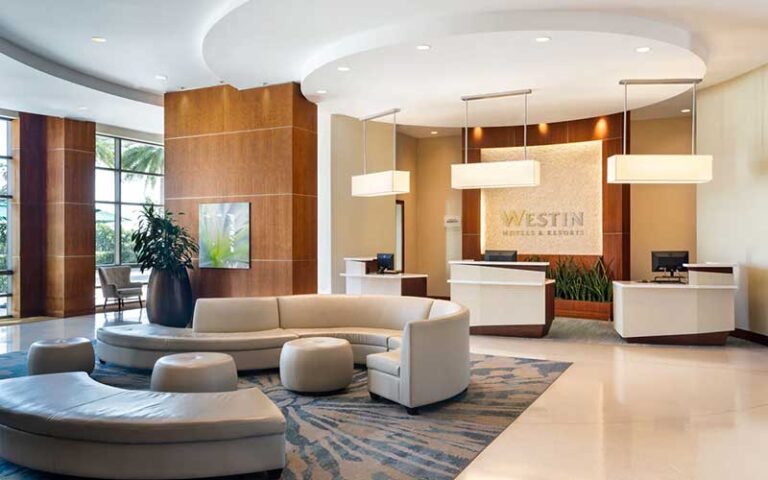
<point>379,184</point>
<point>507,174</point>
<point>662,169</point>
<point>387,182</point>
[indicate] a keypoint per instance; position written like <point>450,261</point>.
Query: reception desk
<point>504,298</point>
<point>700,312</point>
<point>362,279</point>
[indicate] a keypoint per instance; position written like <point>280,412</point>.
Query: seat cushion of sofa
<point>355,335</point>
<point>158,337</point>
<point>74,406</point>
<point>387,362</point>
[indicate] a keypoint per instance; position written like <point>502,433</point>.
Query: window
<point>129,175</point>
<point>5,217</point>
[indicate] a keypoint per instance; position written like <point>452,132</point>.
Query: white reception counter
<point>700,312</point>
<point>504,298</point>
<point>362,279</point>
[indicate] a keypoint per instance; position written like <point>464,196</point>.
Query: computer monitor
<point>669,262</point>
<point>385,261</point>
<point>500,256</point>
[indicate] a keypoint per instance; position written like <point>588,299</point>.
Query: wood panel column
<point>70,210</point>
<point>28,215</point>
<point>257,146</point>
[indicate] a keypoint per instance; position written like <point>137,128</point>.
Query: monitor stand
<point>672,278</point>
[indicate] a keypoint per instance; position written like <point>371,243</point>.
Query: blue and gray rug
<point>349,436</point>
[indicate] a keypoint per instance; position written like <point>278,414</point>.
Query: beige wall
<point>663,217</point>
<point>732,209</point>
<point>359,226</point>
<point>436,199</point>
<point>407,154</point>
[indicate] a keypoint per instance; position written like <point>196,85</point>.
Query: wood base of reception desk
<point>709,338</point>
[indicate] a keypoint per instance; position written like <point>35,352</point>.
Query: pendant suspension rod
<point>365,149</point>
<point>466,131</point>
<point>394,141</point>
<point>624,135</point>
<point>693,122</point>
<point>525,127</point>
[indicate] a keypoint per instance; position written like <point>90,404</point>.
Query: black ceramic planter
<point>169,299</point>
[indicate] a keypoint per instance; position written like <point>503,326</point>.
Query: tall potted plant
<point>166,248</point>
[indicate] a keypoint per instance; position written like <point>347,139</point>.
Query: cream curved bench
<point>70,424</point>
<point>433,336</point>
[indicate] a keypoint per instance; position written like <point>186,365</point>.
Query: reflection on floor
<point>619,412</point>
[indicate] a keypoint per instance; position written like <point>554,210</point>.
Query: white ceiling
<point>198,43</point>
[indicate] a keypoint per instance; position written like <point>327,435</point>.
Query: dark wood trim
<point>414,287</point>
<point>711,269</point>
<point>754,337</point>
<point>532,268</point>
<point>438,297</point>
<point>525,331</point>
<point>582,309</point>
<point>549,299</point>
<point>402,232</point>
<point>709,338</point>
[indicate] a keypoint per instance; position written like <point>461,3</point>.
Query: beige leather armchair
<point>116,283</point>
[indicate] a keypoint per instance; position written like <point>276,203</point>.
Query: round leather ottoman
<point>61,355</point>
<point>194,372</point>
<point>316,364</point>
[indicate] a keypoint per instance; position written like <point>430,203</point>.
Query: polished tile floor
<point>619,412</point>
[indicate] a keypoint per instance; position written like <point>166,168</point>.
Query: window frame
<point>116,202</point>
<point>7,156</point>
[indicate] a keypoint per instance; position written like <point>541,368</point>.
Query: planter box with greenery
<point>167,249</point>
<point>582,291</point>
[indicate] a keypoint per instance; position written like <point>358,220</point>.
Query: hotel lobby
<point>417,240</point>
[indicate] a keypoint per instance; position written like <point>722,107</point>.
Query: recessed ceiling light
<point>433,132</point>
<point>162,78</point>
<point>97,39</point>
<point>343,69</point>
<point>322,92</point>
<point>643,49</point>
<point>82,108</point>
<point>685,110</point>
<point>423,47</point>
<point>543,39</point>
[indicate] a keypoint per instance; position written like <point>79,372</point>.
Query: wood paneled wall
<point>257,146</point>
<point>53,215</point>
<point>616,223</point>
<point>71,237</point>
<point>28,215</point>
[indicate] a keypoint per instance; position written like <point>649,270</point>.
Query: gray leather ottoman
<point>195,372</point>
<point>61,355</point>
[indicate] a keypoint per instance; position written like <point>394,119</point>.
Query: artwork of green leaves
<point>225,235</point>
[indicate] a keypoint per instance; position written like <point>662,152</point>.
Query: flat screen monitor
<point>385,261</point>
<point>500,256</point>
<point>669,261</point>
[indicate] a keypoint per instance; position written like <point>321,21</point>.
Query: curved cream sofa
<point>416,349</point>
<point>70,424</point>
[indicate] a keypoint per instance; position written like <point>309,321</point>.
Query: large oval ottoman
<point>195,372</point>
<point>316,364</point>
<point>61,355</point>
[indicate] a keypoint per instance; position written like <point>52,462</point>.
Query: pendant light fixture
<point>504,174</point>
<point>387,182</point>
<point>661,169</point>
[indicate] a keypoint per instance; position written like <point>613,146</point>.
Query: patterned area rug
<point>349,436</point>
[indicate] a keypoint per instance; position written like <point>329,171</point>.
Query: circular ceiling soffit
<point>574,75</point>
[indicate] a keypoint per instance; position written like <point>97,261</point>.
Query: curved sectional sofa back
<point>227,315</point>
